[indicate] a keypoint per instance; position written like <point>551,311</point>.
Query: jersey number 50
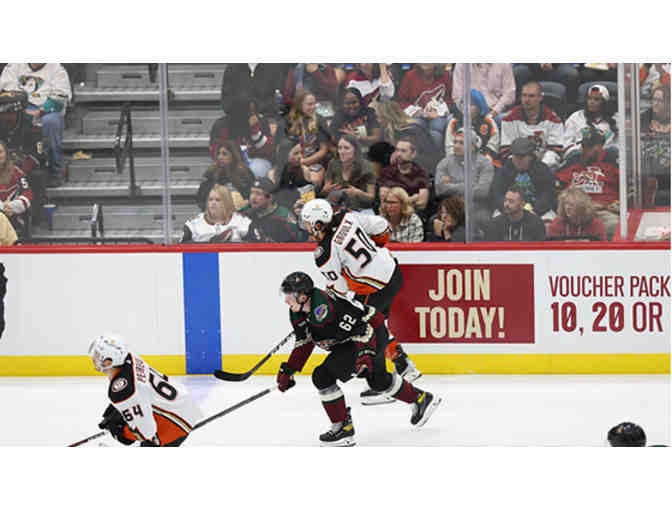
<point>363,251</point>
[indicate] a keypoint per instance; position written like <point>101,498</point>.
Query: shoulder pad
<point>122,386</point>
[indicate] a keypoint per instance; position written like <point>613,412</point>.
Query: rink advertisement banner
<point>457,303</point>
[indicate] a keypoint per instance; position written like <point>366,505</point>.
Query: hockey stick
<point>228,376</point>
<point>201,423</point>
<point>90,438</point>
<point>236,406</point>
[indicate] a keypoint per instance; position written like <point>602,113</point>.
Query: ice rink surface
<point>477,410</point>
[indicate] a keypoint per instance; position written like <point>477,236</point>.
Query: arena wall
<point>548,309</point>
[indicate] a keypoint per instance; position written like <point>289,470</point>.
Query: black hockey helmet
<point>627,434</point>
<point>297,282</point>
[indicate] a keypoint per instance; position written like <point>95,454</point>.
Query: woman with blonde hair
<point>576,217</point>
<point>405,225</point>
<point>220,223</point>
<point>309,130</point>
<point>397,124</point>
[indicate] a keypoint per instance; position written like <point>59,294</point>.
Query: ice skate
<point>423,408</point>
<point>374,398</point>
<point>340,434</point>
<point>405,367</point>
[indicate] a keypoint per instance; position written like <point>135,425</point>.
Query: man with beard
<point>405,173</point>
<point>594,171</point>
<point>271,223</point>
<point>533,120</point>
<point>515,224</point>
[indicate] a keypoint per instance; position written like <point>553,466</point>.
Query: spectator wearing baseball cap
<point>531,176</point>
<point>271,223</point>
<point>596,114</point>
<point>594,171</point>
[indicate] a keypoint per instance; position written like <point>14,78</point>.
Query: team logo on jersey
<point>119,384</point>
<point>321,312</point>
<point>318,252</point>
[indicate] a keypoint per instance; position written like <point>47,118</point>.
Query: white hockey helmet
<point>107,352</point>
<point>316,211</point>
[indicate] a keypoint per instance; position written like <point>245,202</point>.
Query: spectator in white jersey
<point>220,223</point>
<point>533,120</point>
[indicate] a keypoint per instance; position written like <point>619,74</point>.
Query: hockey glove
<point>285,379</point>
<point>114,422</point>
<point>364,355</point>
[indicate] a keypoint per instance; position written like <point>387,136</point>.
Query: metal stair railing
<point>122,154</point>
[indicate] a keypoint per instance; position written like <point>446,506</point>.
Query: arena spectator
<point>533,179</point>
<point>220,223</point>
<point>351,173</point>
<point>483,123</point>
<point>15,193</point>
<point>407,174</point>
<point>228,169</point>
<point>426,94</point>
<point>535,121</point>
<point>596,114</point>
<point>494,81</point>
<point>271,223</point>
<point>448,224</point>
<point>450,177</point>
<point>354,118</point>
<point>576,218</point>
<point>515,223</point>
<point>373,82</point>
<point>396,124</point>
<point>405,225</point>
<point>289,175</point>
<point>48,92</point>
<point>8,235</point>
<point>256,83</point>
<point>309,130</point>
<point>323,80</point>
<point>250,130</point>
<point>566,74</point>
<point>655,143</point>
<point>593,171</point>
<point>651,76</point>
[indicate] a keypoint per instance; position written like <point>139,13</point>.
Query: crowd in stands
<point>376,139</point>
<point>388,139</point>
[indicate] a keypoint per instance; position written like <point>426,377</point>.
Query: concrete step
<point>74,140</point>
<point>104,169</point>
<point>137,75</point>
<point>146,122</point>
<point>118,217</point>
<point>120,188</point>
<point>153,235</point>
<point>92,94</point>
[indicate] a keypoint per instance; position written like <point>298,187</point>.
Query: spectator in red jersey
<point>355,119</point>
<point>251,130</point>
<point>576,218</point>
<point>322,79</point>
<point>309,130</point>
<point>351,173</point>
<point>494,81</point>
<point>372,80</point>
<point>482,122</point>
<point>595,173</point>
<point>229,169</point>
<point>15,193</point>
<point>533,120</point>
<point>407,174</point>
<point>426,94</point>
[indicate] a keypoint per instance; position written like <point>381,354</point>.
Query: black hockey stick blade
<point>236,406</point>
<point>90,438</point>
<point>229,376</point>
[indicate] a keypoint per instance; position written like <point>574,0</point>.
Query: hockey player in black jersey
<point>355,336</point>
